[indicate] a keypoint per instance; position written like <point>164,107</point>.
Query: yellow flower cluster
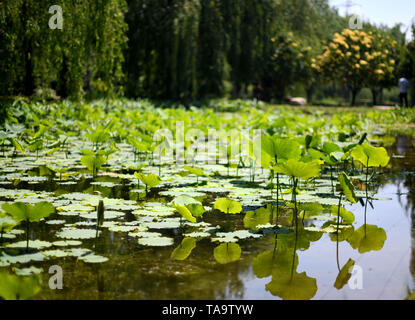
<point>355,53</point>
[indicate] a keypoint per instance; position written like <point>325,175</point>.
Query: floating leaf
<point>298,287</point>
<point>344,275</point>
<point>227,252</point>
<point>184,249</point>
<point>73,233</point>
<point>368,238</point>
<point>18,288</point>
<point>92,258</point>
<point>228,206</point>
<point>156,241</point>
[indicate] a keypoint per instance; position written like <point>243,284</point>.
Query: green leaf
<point>227,206</point>
<point>299,169</point>
<point>150,180</point>
<point>184,249</point>
<point>196,171</point>
<point>260,216</point>
<point>93,162</point>
<point>17,145</point>
<point>18,288</point>
<point>274,262</point>
<point>185,213</point>
<point>24,211</point>
<point>227,253</point>
<point>329,147</point>
<point>7,224</point>
<point>298,287</point>
<point>347,216</point>
<point>370,156</point>
<point>344,275</point>
<point>368,238</point>
<point>188,207</point>
<point>347,187</point>
<point>273,148</point>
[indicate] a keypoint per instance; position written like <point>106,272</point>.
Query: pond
<point>144,250</point>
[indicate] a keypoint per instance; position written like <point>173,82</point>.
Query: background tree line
<point>185,49</point>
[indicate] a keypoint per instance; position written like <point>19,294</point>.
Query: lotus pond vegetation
<point>236,200</point>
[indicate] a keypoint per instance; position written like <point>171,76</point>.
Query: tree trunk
<point>374,95</point>
<point>63,88</point>
<point>27,48</point>
<point>354,95</point>
<point>309,92</point>
<point>28,78</point>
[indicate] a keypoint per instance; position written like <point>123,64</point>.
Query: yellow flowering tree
<point>382,59</point>
<point>355,57</point>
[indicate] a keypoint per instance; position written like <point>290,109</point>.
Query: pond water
<point>383,268</point>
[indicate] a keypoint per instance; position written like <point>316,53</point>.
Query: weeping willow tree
<point>84,57</point>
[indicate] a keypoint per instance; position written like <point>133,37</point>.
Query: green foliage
<point>227,253</point>
<point>6,224</point>
<point>370,156</point>
<point>27,212</point>
<point>274,149</point>
<point>86,53</point>
<point>368,238</point>
<point>150,180</point>
<point>188,207</point>
<point>228,206</point>
<point>297,287</point>
<point>347,187</point>
<point>347,216</point>
<point>299,169</point>
<point>93,161</point>
<point>184,249</point>
<point>344,274</point>
<point>18,288</point>
<point>196,171</point>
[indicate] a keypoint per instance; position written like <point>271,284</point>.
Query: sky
<point>387,12</point>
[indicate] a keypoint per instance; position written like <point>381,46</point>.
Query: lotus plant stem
<point>366,187</point>
<point>295,202</point>
<point>278,195</point>
<point>275,246</point>
<point>295,249</point>
<point>27,235</point>
<point>367,174</point>
<point>302,220</point>
<point>337,232</point>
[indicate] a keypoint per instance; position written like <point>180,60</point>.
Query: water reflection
<point>303,264</point>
